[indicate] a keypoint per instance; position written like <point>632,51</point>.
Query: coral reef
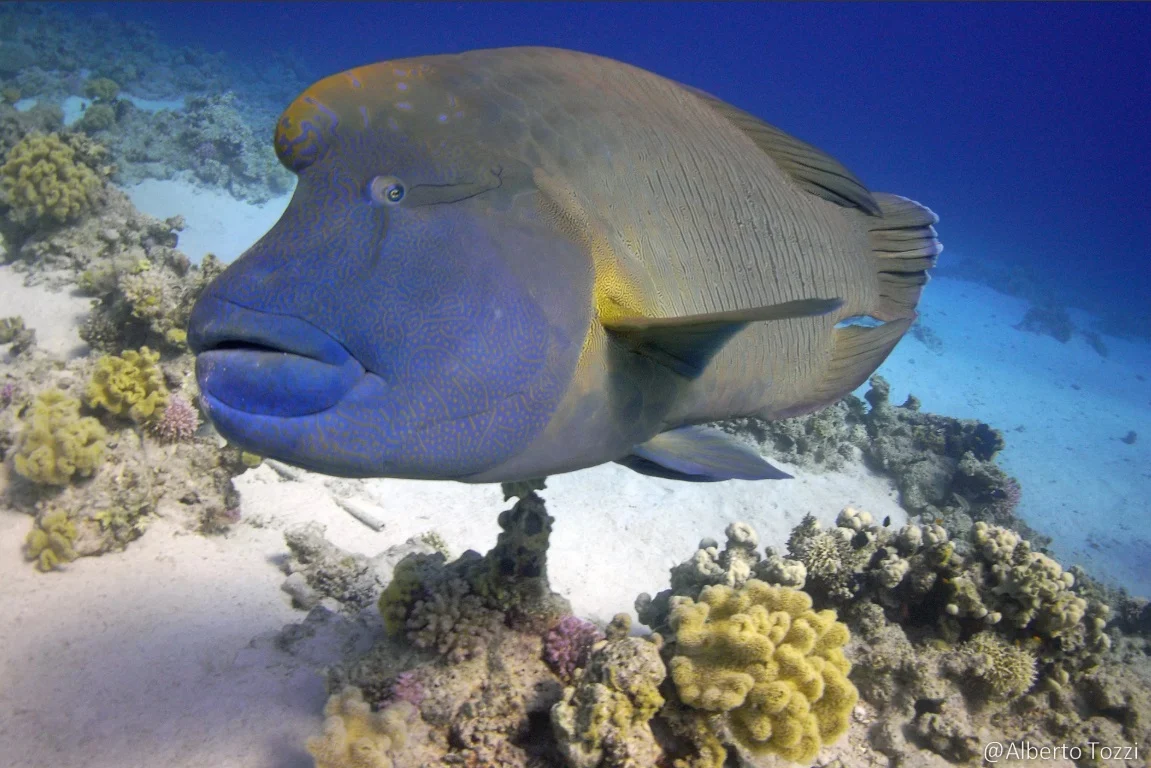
<point>1048,320</point>
<point>56,442</point>
<point>989,579</point>
<point>773,667</point>
<point>825,439</point>
<point>568,645</point>
<point>129,475</point>
<point>14,332</point>
<point>738,671</point>
<point>356,737</point>
<point>604,717</point>
<point>131,384</point>
<point>483,649</point>
<point>49,543</point>
<point>42,181</point>
<point>316,569</point>
<point>209,141</point>
<point>944,467</point>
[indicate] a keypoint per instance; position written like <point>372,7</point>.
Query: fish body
<point>511,263</point>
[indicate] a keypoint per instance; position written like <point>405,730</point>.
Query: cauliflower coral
<point>770,665</point>
<point>57,443</point>
<point>131,383</point>
<point>356,737</point>
<point>41,180</point>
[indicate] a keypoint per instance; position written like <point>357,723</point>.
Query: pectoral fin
<point>687,344</point>
<point>699,454</point>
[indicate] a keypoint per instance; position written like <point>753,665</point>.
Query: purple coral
<point>406,687</point>
<point>206,150</point>
<point>178,422</point>
<point>567,645</point>
<point>1007,498</point>
<point>7,394</point>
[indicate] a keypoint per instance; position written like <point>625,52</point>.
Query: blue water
<point>1023,125</point>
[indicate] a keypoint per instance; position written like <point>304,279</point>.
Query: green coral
<point>454,607</point>
<point>98,117</point>
<point>57,443</point>
<point>772,667</point>
<point>121,526</point>
<point>41,179</point>
<point>1003,671</point>
<point>397,598</point>
<point>102,88</point>
<point>50,542</point>
<point>131,383</point>
<point>604,719</point>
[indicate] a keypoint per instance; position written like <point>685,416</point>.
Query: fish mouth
<point>266,364</point>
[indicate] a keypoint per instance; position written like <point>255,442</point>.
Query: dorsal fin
<point>812,169</point>
<point>687,344</point>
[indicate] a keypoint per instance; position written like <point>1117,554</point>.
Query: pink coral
<point>178,422</point>
<point>567,645</point>
<point>406,687</point>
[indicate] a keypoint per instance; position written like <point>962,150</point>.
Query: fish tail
<point>905,246</point>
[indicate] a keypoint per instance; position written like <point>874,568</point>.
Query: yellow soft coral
<point>42,180</point>
<point>132,383</point>
<point>356,737</point>
<point>57,443</point>
<point>770,665</point>
<point>50,542</point>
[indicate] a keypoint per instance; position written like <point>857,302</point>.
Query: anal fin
<point>699,454</point>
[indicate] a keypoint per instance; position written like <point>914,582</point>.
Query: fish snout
<point>266,364</point>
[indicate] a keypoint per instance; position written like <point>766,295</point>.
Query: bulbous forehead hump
<point>403,96</point>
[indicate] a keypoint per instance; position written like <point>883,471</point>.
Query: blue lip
<point>267,364</point>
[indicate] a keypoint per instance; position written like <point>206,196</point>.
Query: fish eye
<point>387,190</point>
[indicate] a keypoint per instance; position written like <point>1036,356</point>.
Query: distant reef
<point>1050,294</point>
<point>105,68</point>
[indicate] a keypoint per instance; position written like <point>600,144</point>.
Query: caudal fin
<point>904,243</point>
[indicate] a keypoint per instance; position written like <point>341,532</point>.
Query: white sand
<point>55,315</point>
<point>162,655</point>
<point>216,222</point>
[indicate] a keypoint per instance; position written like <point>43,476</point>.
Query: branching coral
<point>57,443</point>
<point>1002,671</point>
<point>41,180</point>
<point>568,644</point>
<point>453,621</point>
<point>767,662</point>
<point>131,384</point>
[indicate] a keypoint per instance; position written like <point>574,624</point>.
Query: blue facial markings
<point>454,362</point>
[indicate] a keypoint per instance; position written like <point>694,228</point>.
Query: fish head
<point>411,314</point>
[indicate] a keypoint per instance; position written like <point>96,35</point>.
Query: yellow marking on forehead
<point>402,95</point>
